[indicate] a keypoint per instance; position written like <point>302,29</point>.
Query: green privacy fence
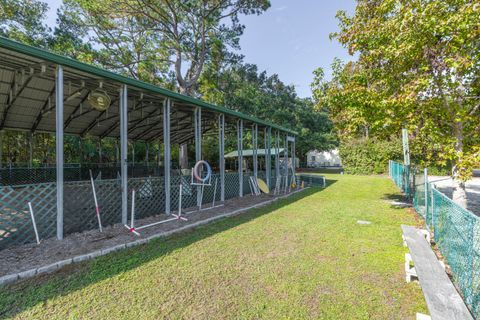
<point>456,232</point>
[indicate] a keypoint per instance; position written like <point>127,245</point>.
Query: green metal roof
<point>75,64</point>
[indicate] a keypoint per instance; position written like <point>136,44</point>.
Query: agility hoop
<point>197,174</point>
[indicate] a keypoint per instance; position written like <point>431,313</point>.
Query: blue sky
<point>290,39</point>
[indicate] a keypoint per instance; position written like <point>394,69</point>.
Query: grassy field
<point>303,257</point>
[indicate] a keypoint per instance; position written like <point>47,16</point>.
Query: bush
<point>369,156</point>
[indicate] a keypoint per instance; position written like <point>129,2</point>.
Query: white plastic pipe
<point>132,219</point>
<point>97,209</point>
<point>214,192</point>
<point>33,222</point>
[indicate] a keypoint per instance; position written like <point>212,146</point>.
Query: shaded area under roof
<point>27,94</point>
<point>249,153</point>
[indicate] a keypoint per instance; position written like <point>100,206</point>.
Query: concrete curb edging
<point>10,278</point>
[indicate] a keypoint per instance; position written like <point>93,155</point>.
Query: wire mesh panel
<point>419,194</point>
<point>247,187</point>
<point>15,222</point>
<point>189,192</point>
<point>79,207</point>
<point>149,198</point>
<point>25,175</point>
<point>79,204</point>
<point>311,180</point>
<point>231,185</point>
<point>109,196</point>
<point>457,234</point>
<point>213,190</point>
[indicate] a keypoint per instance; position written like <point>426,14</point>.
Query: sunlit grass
<point>304,257</point>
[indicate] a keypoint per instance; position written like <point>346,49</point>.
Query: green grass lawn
<point>302,257</point>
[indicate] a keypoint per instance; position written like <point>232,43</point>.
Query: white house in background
<point>323,159</point>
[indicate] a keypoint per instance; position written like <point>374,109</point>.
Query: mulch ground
<point>25,257</point>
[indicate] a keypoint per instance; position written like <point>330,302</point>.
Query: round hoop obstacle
<point>197,180</point>
<point>197,174</point>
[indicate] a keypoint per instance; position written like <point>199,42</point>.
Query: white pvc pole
<point>250,185</point>
<point>34,223</point>
<point>97,209</point>
<point>214,192</point>
<point>180,201</point>
<point>132,219</point>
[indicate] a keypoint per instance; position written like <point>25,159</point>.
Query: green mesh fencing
<point>311,180</point>
<point>456,232</point>
<point>402,176</point>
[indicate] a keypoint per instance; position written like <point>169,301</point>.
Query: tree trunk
<point>459,193</point>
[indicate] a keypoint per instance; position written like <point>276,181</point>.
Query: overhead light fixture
<point>99,99</point>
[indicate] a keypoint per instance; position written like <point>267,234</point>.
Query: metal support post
<point>124,150</point>
<point>59,148</point>
<point>240,156</point>
<point>268,156</point>
<point>277,154</point>
<point>294,160</point>
<point>166,152</point>
<point>255,149</point>
<point>198,144</point>
<point>221,144</point>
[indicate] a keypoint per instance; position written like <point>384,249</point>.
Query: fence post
<point>425,179</point>
<point>433,210</point>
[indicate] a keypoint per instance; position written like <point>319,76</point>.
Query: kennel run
<point>48,95</point>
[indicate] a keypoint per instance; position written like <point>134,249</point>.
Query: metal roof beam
<point>71,116</point>
<point>116,124</point>
<point>13,97</point>
<point>102,73</point>
<point>43,110</point>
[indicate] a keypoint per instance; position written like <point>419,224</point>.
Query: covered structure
<point>42,92</point>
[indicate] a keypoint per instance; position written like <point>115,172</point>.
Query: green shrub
<point>369,156</point>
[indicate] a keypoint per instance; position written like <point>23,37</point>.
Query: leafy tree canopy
<point>244,88</point>
<point>418,68</point>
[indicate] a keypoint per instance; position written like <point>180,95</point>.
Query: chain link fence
<point>456,231</point>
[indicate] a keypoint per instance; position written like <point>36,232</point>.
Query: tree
<point>418,68</point>
<point>244,88</point>
<point>24,21</point>
<point>147,39</point>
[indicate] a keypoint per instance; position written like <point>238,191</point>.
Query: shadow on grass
<point>397,200</point>
<point>26,294</point>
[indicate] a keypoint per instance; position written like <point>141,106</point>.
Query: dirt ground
<point>25,257</point>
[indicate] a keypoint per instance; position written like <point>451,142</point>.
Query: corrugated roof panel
<point>25,53</point>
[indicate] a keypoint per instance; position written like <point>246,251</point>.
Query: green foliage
<point>162,41</point>
<point>369,156</point>
<point>149,40</point>
<point>418,68</point>
<point>244,88</point>
<point>22,20</point>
